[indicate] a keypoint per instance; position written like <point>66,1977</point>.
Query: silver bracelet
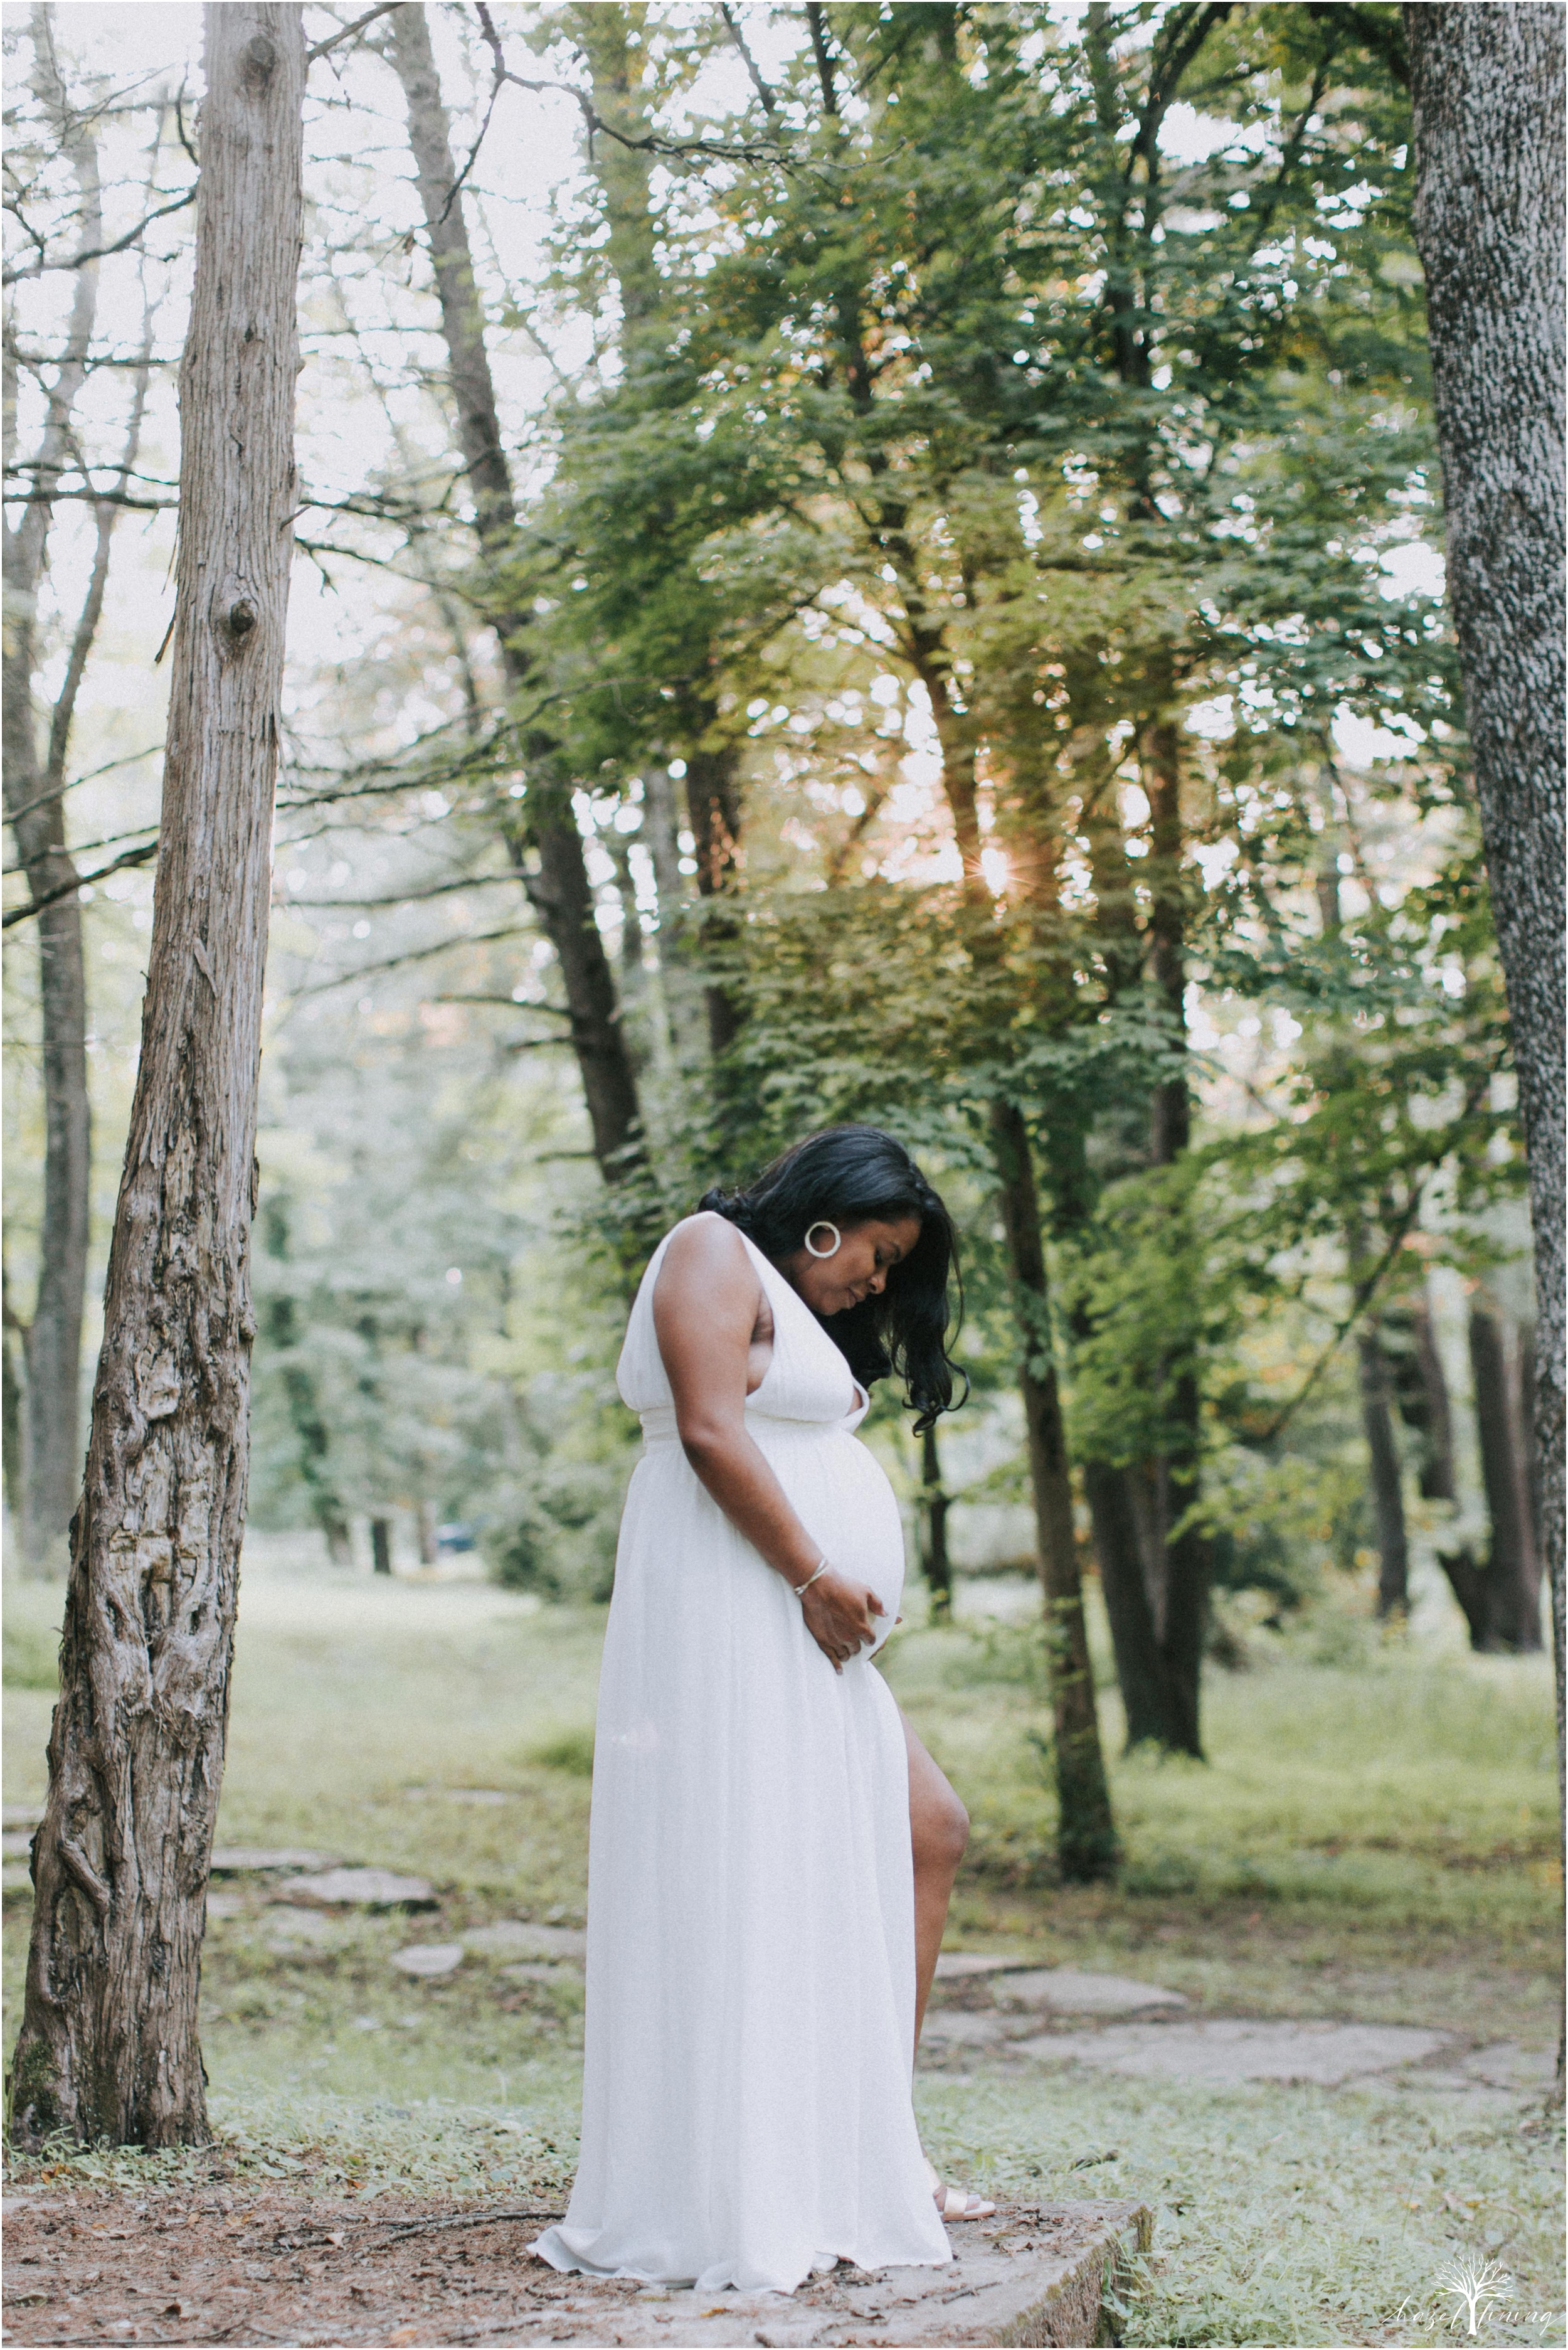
<point>800,1589</point>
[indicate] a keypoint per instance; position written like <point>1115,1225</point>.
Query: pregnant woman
<point>772,1848</point>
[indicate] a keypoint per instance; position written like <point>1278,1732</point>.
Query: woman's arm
<point>707,1303</point>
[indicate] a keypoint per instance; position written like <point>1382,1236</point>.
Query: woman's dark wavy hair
<point>848,1175</point>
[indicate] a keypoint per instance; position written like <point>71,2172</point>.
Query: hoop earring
<point>822,1225</point>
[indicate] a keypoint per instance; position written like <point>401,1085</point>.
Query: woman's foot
<point>956,2203</point>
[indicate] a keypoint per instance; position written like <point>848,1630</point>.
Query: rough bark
<point>1388,1488</point>
<point>108,2045</point>
<point>1513,1569</point>
<point>546,847</point>
<point>51,1339</point>
<point>934,1506</point>
<point>1086,1839</point>
<point>1486,85</point>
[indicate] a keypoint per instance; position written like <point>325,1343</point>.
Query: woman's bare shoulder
<point>706,1253</point>
<point>709,1246</point>
<point>707,1282</point>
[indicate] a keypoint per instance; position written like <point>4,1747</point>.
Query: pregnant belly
<point>845,1503</point>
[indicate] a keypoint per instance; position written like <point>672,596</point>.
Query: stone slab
<point>287,1925</point>
<point>16,1844</point>
<point>1066,1992</point>
<point>1036,2274</point>
<point>964,2027</point>
<point>515,1938</point>
<point>257,1859</point>
<point>961,1965</point>
<point>1229,2049</point>
<point>21,1815</point>
<point>364,1888</point>
<point>16,1876</point>
<point>429,1958</point>
<point>1507,2066</point>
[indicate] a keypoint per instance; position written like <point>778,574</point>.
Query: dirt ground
<point>88,2267</point>
<point>92,2266</point>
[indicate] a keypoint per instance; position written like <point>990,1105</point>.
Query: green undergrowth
<point>1372,1838</point>
<point>1282,2215</point>
<point>1403,1791</point>
<point>368,2147</point>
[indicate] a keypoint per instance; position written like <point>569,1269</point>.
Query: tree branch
<point>384,8</point>
<point>142,856</point>
<point>44,266</point>
<point>732,26</point>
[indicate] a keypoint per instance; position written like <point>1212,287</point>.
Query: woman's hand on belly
<point>838,1612</point>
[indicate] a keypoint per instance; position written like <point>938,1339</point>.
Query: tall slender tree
<point>1488,86</point>
<point>109,2040</point>
<point>546,844</point>
<point>34,805</point>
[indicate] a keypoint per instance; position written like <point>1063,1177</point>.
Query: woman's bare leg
<point>938,1831</point>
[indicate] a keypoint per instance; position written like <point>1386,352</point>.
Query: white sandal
<point>956,2203</point>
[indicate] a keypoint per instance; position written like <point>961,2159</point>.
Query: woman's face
<point>858,1268</point>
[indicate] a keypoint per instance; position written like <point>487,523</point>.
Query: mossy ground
<point>1372,1838</point>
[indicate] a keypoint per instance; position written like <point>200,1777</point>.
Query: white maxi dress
<point>751,1964</point>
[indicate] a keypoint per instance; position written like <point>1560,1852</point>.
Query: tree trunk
<point>1128,1542</point>
<point>381,1545</point>
<point>677,982</point>
<point>934,1507</point>
<point>108,2045</point>
<point>1187,1565</point>
<point>713,811</point>
<point>1141,1674</point>
<point>279,1331</point>
<point>51,1340</point>
<point>1086,1839</point>
<point>1388,1491</point>
<point>1513,1571</point>
<point>625,176</point>
<point>1422,1387</point>
<point>1487,82</point>
<point>547,851</point>
<point>1087,1847</point>
<point>12,1438</point>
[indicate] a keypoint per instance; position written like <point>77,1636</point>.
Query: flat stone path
<point>360,1888</point>
<point>1226,2049</point>
<point>1069,1993</point>
<point>1003,2010</point>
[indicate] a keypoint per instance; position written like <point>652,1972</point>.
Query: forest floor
<point>1372,1844</point>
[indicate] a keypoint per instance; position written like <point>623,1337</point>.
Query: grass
<point>1373,1837</point>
